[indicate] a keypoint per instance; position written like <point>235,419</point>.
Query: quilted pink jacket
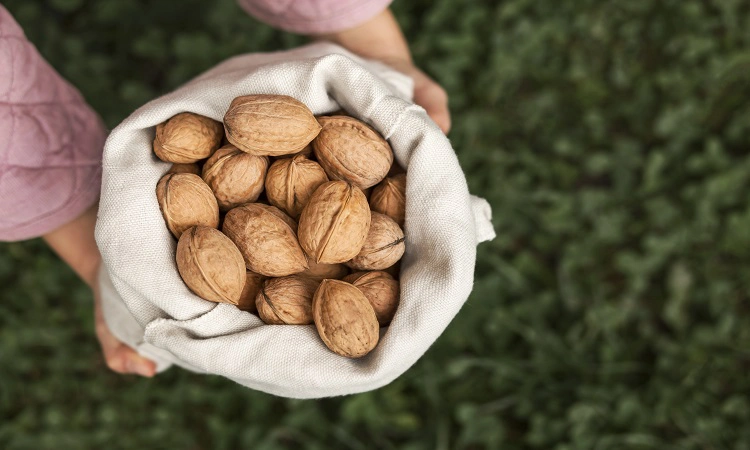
<point>51,140</point>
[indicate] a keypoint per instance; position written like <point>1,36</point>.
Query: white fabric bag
<point>147,305</point>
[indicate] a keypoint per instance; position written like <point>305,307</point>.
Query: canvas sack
<point>145,302</point>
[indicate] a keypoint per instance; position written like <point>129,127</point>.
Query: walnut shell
<point>185,168</point>
<point>210,265</point>
<point>185,200</point>
<point>270,124</point>
<point>389,198</point>
<point>187,138</point>
<point>334,224</point>
<point>234,176</point>
<point>281,215</point>
<point>253,283</point>
<point>307,152</point>
<point>381,290</point>
<point>383,247</point>
<point>345,320</point>
<point>321,271</point>
<point>267,243</point>
<point>351,150</point>
<point>286,300</point>
<point>291,182</point>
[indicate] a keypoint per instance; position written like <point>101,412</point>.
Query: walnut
<point>280,214</point>
<point>321,271</point>
<point>351,150</point>
<point>185,200</point>
<point>253,283</point>
<point>345,320</point>
<point>291,182</point>
<point>334,224</point>
<point>234,176</point>
<point>185,168</point>
<point>187,138</point>
<point>394,270</point>
<point>381,290</point>
<point>389,198</point>
<point>286,300</point>
<point>307,152</point>
<point>269,124</point>
<point>383,247</point>
<point>267,243</point>
<point>210,265</point>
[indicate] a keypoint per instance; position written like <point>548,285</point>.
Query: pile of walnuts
<point>289,193</point>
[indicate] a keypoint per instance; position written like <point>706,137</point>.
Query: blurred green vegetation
<point>611,312</point>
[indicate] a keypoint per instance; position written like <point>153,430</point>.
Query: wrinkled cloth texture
<point>314,16</point>
<point>171,325</point>
<point>51,146</point>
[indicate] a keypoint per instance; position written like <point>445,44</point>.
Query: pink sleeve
<point>50,142</point>
<point>314,16</point>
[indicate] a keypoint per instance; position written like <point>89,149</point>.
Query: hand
<point>380,38</point>
<point>119,357</point>
<point>74,243</point>
<point>427,93</point>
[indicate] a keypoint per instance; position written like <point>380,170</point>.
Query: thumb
<point>135,363</point>
<point>434,100</point>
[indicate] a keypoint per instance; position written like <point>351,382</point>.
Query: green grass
<point>611,312</point>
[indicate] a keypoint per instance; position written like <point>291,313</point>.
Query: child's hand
<point>119,357</point>
<point>74,243</point>
<point>427,93</point>
<point>381,39</point>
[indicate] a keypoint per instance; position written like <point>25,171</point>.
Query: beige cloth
<point>147,305</point>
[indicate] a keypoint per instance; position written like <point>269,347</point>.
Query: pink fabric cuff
<point>314,16</point>
<point>48,221</point>
<point>50,142</point>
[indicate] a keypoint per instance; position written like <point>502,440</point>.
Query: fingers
<point>435,102</point>
<point>119,357</point>
<point>123,359</point>
<point>135,363</point>
<point>433,98</point>
<point>427,93</point>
